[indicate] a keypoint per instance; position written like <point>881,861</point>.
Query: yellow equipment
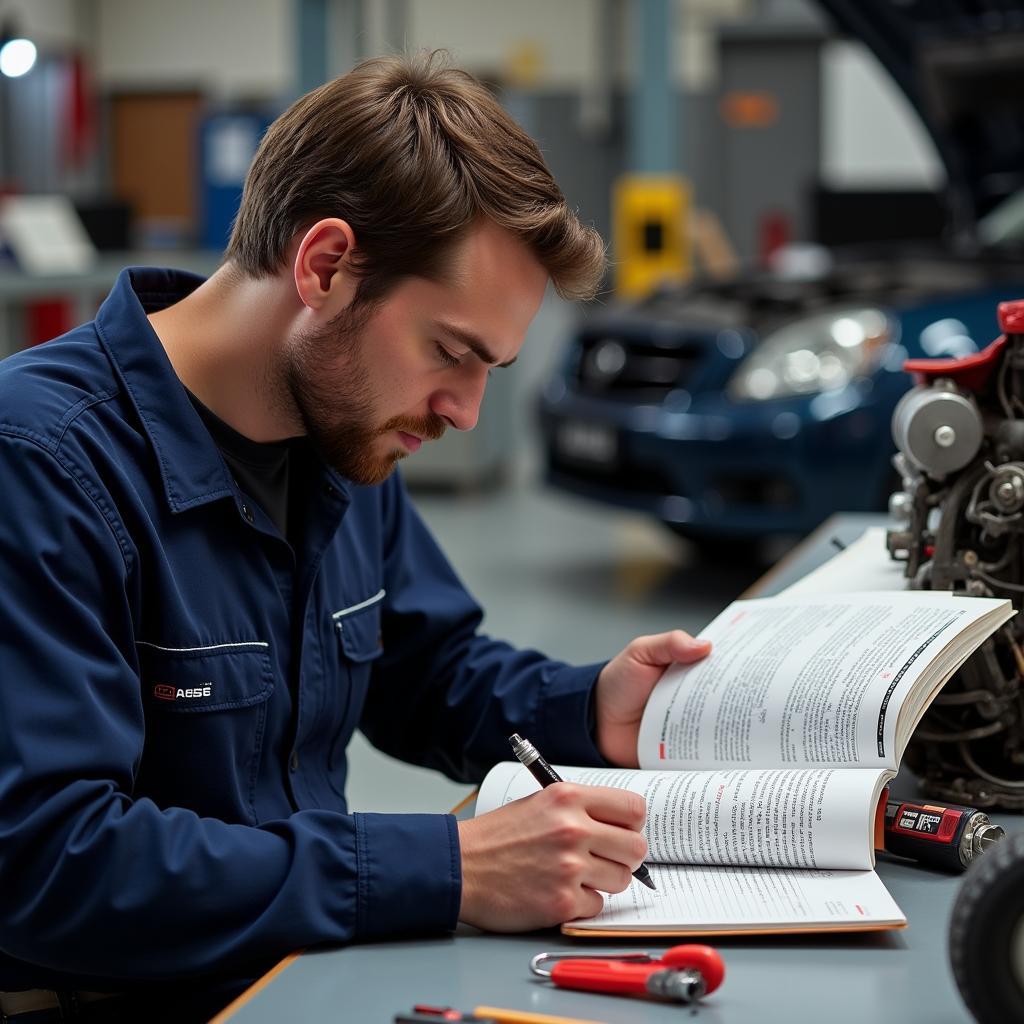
<point>650,233</point>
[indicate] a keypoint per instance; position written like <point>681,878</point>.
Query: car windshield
<point>1004,225</point>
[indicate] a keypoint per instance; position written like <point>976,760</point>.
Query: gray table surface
<point>899,976</point>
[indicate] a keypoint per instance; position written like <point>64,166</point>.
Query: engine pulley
<point>937,428</point>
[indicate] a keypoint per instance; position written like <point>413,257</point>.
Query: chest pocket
<point>358,629</point>
<point>206,714</point>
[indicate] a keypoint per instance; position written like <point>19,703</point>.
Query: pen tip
<point>643,875</point>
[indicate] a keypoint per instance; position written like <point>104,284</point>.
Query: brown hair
<point>410,152</point>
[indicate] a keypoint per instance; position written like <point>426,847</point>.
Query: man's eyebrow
<point>475,344</point>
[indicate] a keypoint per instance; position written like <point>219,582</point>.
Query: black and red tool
<point>947,836</point>
<point>682,974</point>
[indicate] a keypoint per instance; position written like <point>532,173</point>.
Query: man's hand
<point>539,861</point>
<point>626,682</point>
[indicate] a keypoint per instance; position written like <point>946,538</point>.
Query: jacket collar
<point>191,467</point>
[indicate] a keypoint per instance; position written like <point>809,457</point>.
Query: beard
<point>329,386</point>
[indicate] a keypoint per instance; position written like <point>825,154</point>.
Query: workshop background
<point>649,455</point>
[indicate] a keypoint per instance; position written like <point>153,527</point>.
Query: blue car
<point>760,406</point>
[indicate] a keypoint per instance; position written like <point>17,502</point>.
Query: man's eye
<point>445,356</point>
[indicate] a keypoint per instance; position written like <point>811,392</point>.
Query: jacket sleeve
<point>444,695</point>
<point>96,883</point>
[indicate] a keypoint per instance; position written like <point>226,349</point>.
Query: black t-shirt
<point>261,468</point>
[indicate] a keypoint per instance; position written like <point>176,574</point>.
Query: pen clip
<point>542,960</point>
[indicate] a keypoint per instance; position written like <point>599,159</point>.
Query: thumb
<point>665,648</point>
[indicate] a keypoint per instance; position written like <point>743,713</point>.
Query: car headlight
<point>820,353</point>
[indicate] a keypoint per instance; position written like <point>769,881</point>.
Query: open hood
<point>961,64</point>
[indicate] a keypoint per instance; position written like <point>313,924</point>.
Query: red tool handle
<point>700,958</point>
<point>631,978</point>
<point>604,975</point>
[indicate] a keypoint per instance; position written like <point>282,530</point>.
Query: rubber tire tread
<point>986,912</point>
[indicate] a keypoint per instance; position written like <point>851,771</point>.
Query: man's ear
<point>323,279</point>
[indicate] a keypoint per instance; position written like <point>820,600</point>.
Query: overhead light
<point>17,57</point>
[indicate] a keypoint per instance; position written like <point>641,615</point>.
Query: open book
<point>764,765</point>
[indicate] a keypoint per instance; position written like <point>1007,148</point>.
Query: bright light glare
<point>848,332</point>
<point>801,369</point>
<point>17,57</point>
<point>762,383</point>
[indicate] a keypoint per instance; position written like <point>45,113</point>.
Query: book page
<point>707,899</point>
<point>807,681</point>
<point>864,564</point>
<point>806,818</point>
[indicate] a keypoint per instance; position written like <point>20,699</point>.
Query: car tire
<point>986,935</point>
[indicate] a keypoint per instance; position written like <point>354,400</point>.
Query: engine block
<point>958,525</point>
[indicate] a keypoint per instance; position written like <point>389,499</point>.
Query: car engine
<point>958,525</point>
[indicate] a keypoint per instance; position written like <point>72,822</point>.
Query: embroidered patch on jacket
<point>163,691</point>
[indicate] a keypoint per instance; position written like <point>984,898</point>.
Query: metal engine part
<point>958,524</point>
<point>937,428</point>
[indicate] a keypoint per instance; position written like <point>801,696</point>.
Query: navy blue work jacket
<point>178,684</point>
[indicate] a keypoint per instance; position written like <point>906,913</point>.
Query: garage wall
<point>555,42</point>
<point>49,23</point>
<point>240,51</point>
<point>227,49</point>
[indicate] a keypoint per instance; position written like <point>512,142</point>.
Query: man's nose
<point>459,404</point>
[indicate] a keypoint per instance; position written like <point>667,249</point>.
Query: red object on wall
<point>46,319</point>
<point>80,113</point>
<point>773,234</point>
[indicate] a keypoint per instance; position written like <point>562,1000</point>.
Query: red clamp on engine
<point>972,372</point>
<point>1011,317</point>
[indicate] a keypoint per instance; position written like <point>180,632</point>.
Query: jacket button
<point>329,490</point>
<point>293,761</point>
<point>247,512</point>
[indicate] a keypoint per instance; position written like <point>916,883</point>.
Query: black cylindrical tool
<point>945,836</point>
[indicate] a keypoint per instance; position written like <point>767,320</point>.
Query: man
<point>211,575</point>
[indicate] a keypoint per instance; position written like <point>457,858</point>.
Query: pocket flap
<point>360,634</point>
<point>212,678</point>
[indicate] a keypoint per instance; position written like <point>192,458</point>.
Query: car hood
<point>961,65</point>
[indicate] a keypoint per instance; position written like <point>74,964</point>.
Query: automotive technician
<point>212,577</point>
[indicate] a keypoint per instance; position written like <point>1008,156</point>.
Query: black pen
<point>533,761</point>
